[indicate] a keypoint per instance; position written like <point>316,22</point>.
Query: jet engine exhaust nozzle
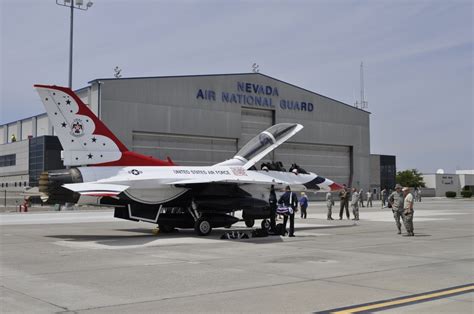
<point>50,186</point>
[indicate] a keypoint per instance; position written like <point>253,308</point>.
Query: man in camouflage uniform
<point>329,204</point>
<point>355,203</point>
<point>396,201</point>
<point>361,197</point>
<point>344,197</point>
<point>408,211</point>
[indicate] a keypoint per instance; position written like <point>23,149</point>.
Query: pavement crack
<point>35,298</point>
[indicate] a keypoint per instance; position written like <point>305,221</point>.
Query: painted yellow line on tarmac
<point>405,300</point>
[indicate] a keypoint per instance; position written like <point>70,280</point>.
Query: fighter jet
<point>142,188</point>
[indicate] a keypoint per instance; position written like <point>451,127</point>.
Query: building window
<point>25,183</point>
<point>8,160</point>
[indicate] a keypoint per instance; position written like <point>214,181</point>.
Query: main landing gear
<point>202,226</point>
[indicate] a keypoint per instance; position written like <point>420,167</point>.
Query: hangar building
<point>205,119</point>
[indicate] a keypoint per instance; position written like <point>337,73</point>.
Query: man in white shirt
<point>408,211</point>
<point>369,198</point>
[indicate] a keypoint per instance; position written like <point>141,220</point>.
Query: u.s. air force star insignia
<point>77,128</point>
<point>135,172</point>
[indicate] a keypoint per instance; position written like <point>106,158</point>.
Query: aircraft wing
<point>96,189</point>
<point>99,189</point>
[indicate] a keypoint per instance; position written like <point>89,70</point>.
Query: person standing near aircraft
<point>303,205</point>
<point>361,197</point>
<point>355,203</point>
<point>290,200</point>
<point>408,211</point>
<point>329,204</point>
<point>396,200</point>
<point>369,198</point>
<point>383,193</point>
<point>273,206</point>
<point>344,197</point>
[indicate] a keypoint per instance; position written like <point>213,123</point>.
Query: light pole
<point>73,4</point>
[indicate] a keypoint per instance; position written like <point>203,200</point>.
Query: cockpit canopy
<point>265,140</point>
<point>262,144</point>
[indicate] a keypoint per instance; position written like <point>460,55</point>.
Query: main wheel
<point>266,224</point>
<point>202,226</point>
<point>249,222</point>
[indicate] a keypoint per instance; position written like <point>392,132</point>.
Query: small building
<point>455,182</point>
<point>466,179</point>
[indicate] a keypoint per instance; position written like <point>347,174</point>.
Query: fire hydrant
<point>24,207</point>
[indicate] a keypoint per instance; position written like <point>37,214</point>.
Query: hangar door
<point>325,160</point>
<point>185,150</point>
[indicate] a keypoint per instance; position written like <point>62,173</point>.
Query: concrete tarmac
<point>89,262</point>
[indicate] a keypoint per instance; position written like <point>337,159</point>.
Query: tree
<point>411,178</point>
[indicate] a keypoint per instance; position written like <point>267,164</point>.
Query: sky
<point>418,58</point>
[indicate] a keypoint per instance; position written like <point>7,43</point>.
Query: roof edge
<point>228,74</point>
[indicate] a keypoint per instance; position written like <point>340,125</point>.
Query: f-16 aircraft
<point>142,188</point>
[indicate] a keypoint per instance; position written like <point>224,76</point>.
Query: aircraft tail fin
<point>85,139</point>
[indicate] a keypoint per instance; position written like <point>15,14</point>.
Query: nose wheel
<point>249,222</point>
<point>266,225</point>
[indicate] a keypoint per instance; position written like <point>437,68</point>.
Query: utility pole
<point>73,4</point>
